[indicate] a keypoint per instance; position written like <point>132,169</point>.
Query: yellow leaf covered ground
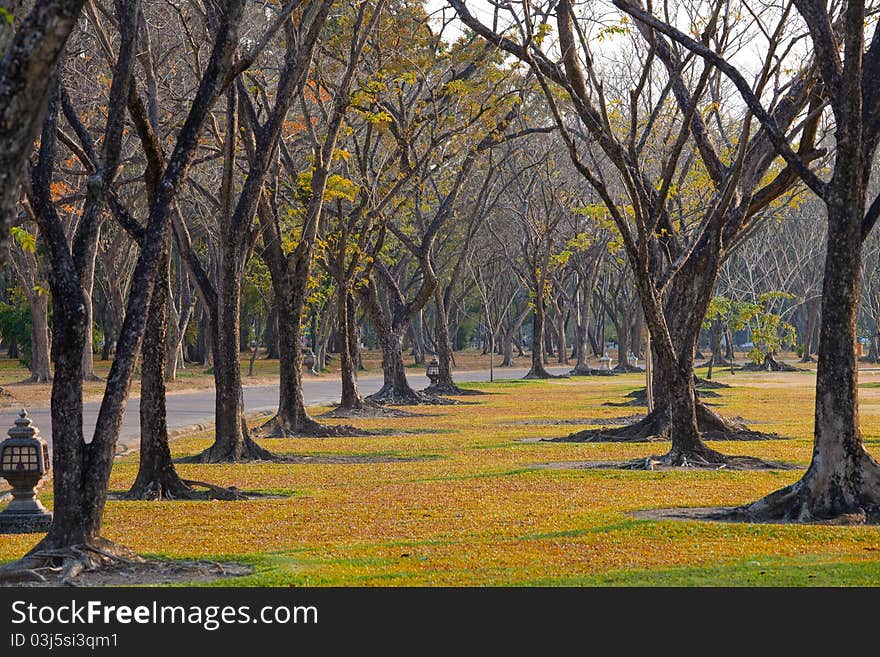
<point>476,511</point>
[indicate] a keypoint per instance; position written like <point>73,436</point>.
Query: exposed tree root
<point>700,458</point>
<point>173,488</point>
<point>652,428</point>
<point>707,459</point>
<point>639,397</point>
<point>626,368</point>
<point>364,408</point>
<point>63,564</point>
<point>223,452</point>
<point>770,364</point>
<point>279,427</point>
<point>541,373</point>
<point>387,396</point>
<point>832,498</point>
<point>453,389</point>
<point>656,427</point>
<point>706,383</point>
<point>590,371</point>
<point>90,565</point>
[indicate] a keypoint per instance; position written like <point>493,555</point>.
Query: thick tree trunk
<point>292,418</point>
<point>75,521</point>
<point>157,477</point>
<point>537,370</point>
<point>40,350</point>
<point>395,387</point>
<point>678,414</point>
<point>843,480</point>
<point>232,441</point>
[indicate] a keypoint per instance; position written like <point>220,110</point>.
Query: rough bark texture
<point>842,482</point>
<point>27,75</point>
<point>444,384</point>
<point>157,478</point>
<point>40,350</point>
<point>537,370</point>
<point>82,470</point>
<point>88,283</point>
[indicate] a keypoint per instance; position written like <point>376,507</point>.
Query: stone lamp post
<point>24,461</point>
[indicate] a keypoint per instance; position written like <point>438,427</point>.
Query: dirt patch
<point>369,413</point>
<point>621,421</point>
<point>652,463</point>
<point>733,514</point>
<point>206,496</point>
<point>151,572</point>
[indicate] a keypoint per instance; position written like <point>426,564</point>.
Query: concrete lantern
<point>24,461</point>
<point>433,371</point>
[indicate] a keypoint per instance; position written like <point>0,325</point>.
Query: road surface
<point>188,410</point>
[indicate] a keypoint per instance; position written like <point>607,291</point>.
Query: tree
<point>27,76</point>
<point>843,479</point>
<point>293,225</point>
<point>676,208</point>
<point>81,469</point>
<point>31,273</point>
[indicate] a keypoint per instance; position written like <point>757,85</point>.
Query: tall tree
<point>290,266</point>
<point>82,469</point>
<point>674,242</point>
<point>843,479</point>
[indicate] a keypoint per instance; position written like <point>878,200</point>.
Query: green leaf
<point>27,240</point>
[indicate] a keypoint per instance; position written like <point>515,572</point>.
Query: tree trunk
<point>507,349</point>
<point>157,477</point>
<point>444,384</point>
<point>270,339</point>
<point>88,355</point>
<point>417,337</point>
<point>395,387</point>
<point>678,414</point>
<point>40,351</point>
<point>561,347</point>
<point>351,397</point>
<point>812,321</point>
<point>174,352</point>
<point>843,480</point>
<point>537,370</point>
<point>232,441</point>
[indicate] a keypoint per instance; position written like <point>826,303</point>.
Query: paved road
<point>191,409</point>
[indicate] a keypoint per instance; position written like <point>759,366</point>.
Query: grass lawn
<point>473,509</point>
